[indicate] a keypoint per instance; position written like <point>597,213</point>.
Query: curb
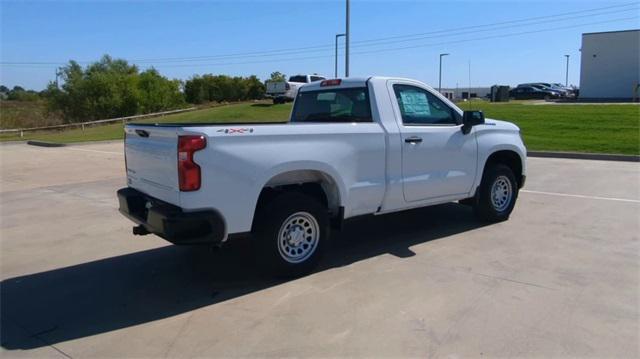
<point>584,156</point>
<point>45,144</point>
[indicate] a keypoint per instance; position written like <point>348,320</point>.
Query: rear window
<point>298,79</point>
<point>339,105</point>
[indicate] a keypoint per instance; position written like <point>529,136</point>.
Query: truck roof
<point>347,82</point>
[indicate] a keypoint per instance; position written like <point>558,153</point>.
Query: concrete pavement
<point>560,278</point>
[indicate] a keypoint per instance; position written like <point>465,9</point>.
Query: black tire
<point>485,208</point>
<point>272,217</point>
<point>275,101</point>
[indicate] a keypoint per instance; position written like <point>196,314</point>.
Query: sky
<point>489,42</point>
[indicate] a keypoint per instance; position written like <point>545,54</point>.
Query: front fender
<point>499,138</point>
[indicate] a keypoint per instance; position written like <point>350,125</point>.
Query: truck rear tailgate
<point>151,160</point>
<point>276,87</point>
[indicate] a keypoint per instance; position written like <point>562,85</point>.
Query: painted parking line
<point>582,196</point>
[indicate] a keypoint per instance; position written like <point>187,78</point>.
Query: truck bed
<point>197,124</point>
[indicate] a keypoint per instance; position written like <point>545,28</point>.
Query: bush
<point>111,88</point>
<point>18,93</point>
<point>220,88</point>
<point>157,93</point>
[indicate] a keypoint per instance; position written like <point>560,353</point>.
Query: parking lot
<point>560,278</point>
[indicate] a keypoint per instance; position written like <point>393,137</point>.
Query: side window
<point>421,107</point>
<point>316,78</point>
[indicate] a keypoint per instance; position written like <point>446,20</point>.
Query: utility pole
<point>336,69</point>
<point>57,74</point>
<point>566,80</point>
<point>440,73</point>
<point>346,51</point>
<point>469,93</point>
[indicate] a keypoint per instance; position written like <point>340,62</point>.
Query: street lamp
<point>346,51</point>
<point>566,80</point>
<point>440,73</point>
<point>336,70</point>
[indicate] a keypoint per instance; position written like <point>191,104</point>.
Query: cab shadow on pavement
<point>118,292</point>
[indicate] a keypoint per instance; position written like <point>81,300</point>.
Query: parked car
<point>283,91</point>
<point>353,147</point>
<point>562,92</point>
<point>533,93</point>
<point>569,91</point>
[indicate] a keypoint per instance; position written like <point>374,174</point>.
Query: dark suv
<point>532,93</point>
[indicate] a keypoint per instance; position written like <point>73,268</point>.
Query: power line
<point>451,33</point>
<point>356,43</point>
<point>374,42</point>
<point>288,59</point>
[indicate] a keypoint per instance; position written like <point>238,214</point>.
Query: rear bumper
<point>171,222</point>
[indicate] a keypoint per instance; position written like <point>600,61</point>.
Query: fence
<point>83,124</point>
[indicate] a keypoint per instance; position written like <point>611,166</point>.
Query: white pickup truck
<point>352,147</point>
<point>283,91</point>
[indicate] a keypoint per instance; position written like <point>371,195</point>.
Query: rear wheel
<point>497,194</point>
<point>290,234</point>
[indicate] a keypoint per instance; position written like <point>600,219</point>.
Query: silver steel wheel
<point>501,193</point>
<point>298,237</point>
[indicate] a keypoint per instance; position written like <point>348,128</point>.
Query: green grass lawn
<point>244,112</point>
<point>569,127</point>
<point>546,127</point>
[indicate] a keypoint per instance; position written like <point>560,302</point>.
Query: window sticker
<point>326,96</point>
<point>415,103</point>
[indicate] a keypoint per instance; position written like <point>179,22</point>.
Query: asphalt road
<point>560,278</point>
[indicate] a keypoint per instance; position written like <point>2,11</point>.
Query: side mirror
<point>470,119</point>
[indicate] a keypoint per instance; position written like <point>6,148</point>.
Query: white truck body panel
<point>275,88</point>
<point>151,162</point>
<point>369,167</point>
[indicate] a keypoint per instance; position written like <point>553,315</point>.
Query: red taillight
<point>188,170</point>
<point>334,82</point>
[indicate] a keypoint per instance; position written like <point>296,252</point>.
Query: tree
<point>157,93</point>
<point>221,88</point>
<point>194,90</point>
<point>111,88</point>
<point>255,88</point>
<point>278,76</point>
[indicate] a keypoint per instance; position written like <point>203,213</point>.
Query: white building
<point>610,65</point>
<point>466,93</point>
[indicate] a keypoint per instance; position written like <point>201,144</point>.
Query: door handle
<point>413,140</point>
<point>142,133</point>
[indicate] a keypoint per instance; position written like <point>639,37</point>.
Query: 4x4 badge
<point>236,130</point>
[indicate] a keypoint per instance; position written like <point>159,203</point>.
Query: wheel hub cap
<point>298,237</point>
<point>501,193</point>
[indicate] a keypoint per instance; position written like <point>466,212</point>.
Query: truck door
<point>438,160</point>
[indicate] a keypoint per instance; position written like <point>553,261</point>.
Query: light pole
<point>58,74</point>
<point>566,79</point>
<point>346,38</point>
<point>440,73</point>
<point>336,71</point>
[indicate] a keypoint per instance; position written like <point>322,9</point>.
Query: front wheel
<point>290,234</point>
<point>497,194</point>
